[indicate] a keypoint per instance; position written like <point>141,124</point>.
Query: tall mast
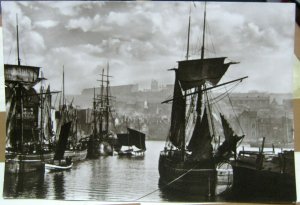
<point>94,111</point>
<point>101,101</point>
<point>18,50</point>
<point>188,39</point>
<point>63,85</point>
<point>76,126</point>
<point>19,90</point>
<point>203,35</point>
<point>187,57</point>
<point>107,98</point>
<point>42,114</point>
<point>202,57</point>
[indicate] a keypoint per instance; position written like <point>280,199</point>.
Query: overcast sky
<point>141,40</point>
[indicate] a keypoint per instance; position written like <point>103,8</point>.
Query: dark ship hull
<point>266,177</point>
<point>23,163</point>
<point>188,176</point>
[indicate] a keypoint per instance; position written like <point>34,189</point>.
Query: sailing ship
<point>93,149</point>
<point>192,152</point>
<point>131,138</point>
<point>28,124</point>
<point>103,124</point>
<point>75,149</point>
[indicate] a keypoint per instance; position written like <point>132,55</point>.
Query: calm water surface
<point>105,179</point>
<point>109,178</point>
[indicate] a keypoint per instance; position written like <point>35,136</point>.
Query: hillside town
<point>256,114</point>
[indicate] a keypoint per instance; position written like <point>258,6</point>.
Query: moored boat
<point>20,163</point>
<point>265,175</point>
<point>131,138</point>
<point>103,138</point>
<point>193,151</point>
<point>29,123</point>
<point>76,149</point>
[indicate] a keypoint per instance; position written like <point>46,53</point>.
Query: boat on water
<point>268,175</point>
<point>61,162</point>
<point>93,140</point>
<point>58,167</point>
<point>76,149</point>
<point>103,137</point>
<point>193,148</point>
<point>131,138</point>
<point>28,123</point>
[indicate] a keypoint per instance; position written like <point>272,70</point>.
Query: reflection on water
<point>59,184</point>
<point>110,178</point>
<point>24,185</point>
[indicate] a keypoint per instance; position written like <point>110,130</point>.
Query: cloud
<point>34,41</point>
<point>84,23</point>
<point>46,24</point>
<point>141,40</point>
<point>120,19</point>
<point>68,8</point>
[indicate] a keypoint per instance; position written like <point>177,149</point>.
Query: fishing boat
<point>266,175</point>
<point>193,148</point>
<point>68,113</point>
<point>28,123</point>
<point>93,140</point>
<point>60,162</point>
<point>131,138</point>
<point>107,128</point>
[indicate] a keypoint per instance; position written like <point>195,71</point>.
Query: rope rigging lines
<point>166,184</point>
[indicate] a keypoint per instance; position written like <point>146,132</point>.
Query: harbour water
<point>110,178</point>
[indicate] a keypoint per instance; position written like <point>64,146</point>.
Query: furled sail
<point>200,143</point>
<point>72,116</point>
<point>230,143</point>
<point>27,75</point>
<point>47,116</point>
<point>62,141</point>
<point>132,138</point>
<point>176,134</point>
<point>194,73</point>
<point>11,117</point>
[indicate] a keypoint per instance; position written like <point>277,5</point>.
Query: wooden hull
<point>263,183</point>
<point>190,177</point>
<point>18,163</point>
<point>76,155</point>
<point>274,179</point>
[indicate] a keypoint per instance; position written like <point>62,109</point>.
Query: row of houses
<point>256,114</point>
